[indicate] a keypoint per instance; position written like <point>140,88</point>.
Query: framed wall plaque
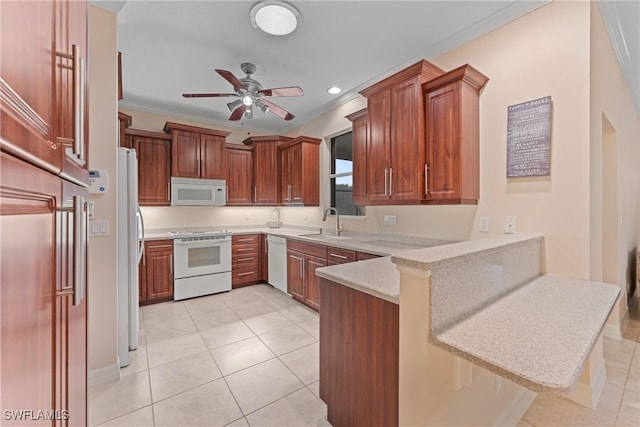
<point>529,138</point>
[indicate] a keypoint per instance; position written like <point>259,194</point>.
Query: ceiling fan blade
<point>282,91</point>
<point>237,113</point>
<point>208,95</point>
<point>228,76</point>
<point>278,111</point>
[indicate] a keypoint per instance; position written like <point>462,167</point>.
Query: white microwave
<point>198,192</point>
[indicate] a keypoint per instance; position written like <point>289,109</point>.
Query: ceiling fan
<point>250,93</point>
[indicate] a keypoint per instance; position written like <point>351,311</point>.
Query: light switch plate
<point>389,220</point>
<point>99,227</point>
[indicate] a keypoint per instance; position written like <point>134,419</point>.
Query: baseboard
<point>516,409</point>
<point>104,375</point>
<point>612,331</point>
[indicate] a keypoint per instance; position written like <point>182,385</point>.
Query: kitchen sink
<point>321,236</point>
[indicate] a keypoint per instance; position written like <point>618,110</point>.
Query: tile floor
<point>250,357</point>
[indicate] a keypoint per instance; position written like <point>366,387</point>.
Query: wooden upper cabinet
<point>240,188</point>
<point>153,150</point>
<point>266,172</point>
<point>71,87</point>
<point>359,146</point>
<point>197,152</point>
<point>27,118</point>
<point>395,140</point>
<point>300,182</point>
<point>452,115</point>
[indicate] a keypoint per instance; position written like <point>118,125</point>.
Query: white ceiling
<point>172,47</point>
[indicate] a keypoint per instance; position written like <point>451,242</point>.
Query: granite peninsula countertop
<point>539,336</point>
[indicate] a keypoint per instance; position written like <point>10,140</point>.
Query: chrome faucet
<point>339,228</point>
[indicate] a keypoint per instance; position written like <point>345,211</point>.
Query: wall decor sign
<point>529,138</point>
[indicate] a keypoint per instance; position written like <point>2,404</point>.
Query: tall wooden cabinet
<point>395,135</point>
<point>197,152</point>
<point>241,190</point>
<point>265,168</point>
<point>153,151</point>
<point>299,165</point>
<point>452,158</point>
<point>43,210</point>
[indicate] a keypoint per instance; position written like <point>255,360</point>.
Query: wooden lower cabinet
<point>359,357</point>
<point>245,259</point>
<point>361,256</point>
<point>264,258</point>
<point>302,261</point>
<point>156,272</point>
<point>43,286</point>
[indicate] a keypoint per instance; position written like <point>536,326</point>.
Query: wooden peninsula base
<point>358,357</point>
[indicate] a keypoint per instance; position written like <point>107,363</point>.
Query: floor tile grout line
<point>626,381</point>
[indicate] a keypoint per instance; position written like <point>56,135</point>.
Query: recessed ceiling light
<point>275,17</point>
<point>334,90</point>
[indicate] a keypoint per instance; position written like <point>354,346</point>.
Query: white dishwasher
<point>277,248</point>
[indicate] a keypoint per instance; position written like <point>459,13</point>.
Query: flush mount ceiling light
<point>334,90</point>
<point>275,17</point>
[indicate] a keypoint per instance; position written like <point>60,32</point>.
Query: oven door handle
<point>203,243</point>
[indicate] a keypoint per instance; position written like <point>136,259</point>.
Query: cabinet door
<point>407,149</point>
<point>71,304</point>
<point>295,173</point>
<point>159,266</point>
<point>26,71</point>
<point>442,137</point>
<point>295,266</point>
<point>28,201</point>
<point>185,154</point>
<point>71,101</point>
<point>359,143</point>
<point>311,281</point>
<point>265,167</point>
<point>240,188</point>
<point>378,145</point>
<point>154,171</point>
<point>264,258</point>
<point>212,154</point>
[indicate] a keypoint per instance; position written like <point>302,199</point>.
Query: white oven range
<point>201,264</point>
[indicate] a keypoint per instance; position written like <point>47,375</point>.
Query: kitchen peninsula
<point>466,311</point>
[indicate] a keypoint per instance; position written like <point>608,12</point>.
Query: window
<point>341,176</point>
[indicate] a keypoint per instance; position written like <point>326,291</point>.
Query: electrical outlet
<point>499,385</point>
<point>510,224</point>
<point>484,224</point>
<point>389,220</point>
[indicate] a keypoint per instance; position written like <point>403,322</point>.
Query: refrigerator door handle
<point>141,240</point>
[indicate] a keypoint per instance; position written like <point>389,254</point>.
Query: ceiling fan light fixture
<point>248,113</point>
<point>235,104</point>
<point>262,108</point>
<point>247,100</point>
<point>274,17</point>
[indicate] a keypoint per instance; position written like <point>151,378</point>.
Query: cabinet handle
<point>386,176</point>
<point>79,249</point>
<point>390,181</point>
<point>246,274</point>
<point>302,268</point>
<point>266,246</point>
<point>245,240</point>
<point>245,249</point>
<point>171,264</point>
<point>246,259</point>
<point>201,166</point>
<point>255,193</point>
<point>79,76</point>
<point>338,256</point>
<point>426,178</point>
<point>169,191</point>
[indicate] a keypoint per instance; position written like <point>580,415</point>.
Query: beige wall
<point>614,121</point>
<point>103,134</point>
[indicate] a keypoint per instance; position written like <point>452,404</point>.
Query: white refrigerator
<point>130,252</point>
